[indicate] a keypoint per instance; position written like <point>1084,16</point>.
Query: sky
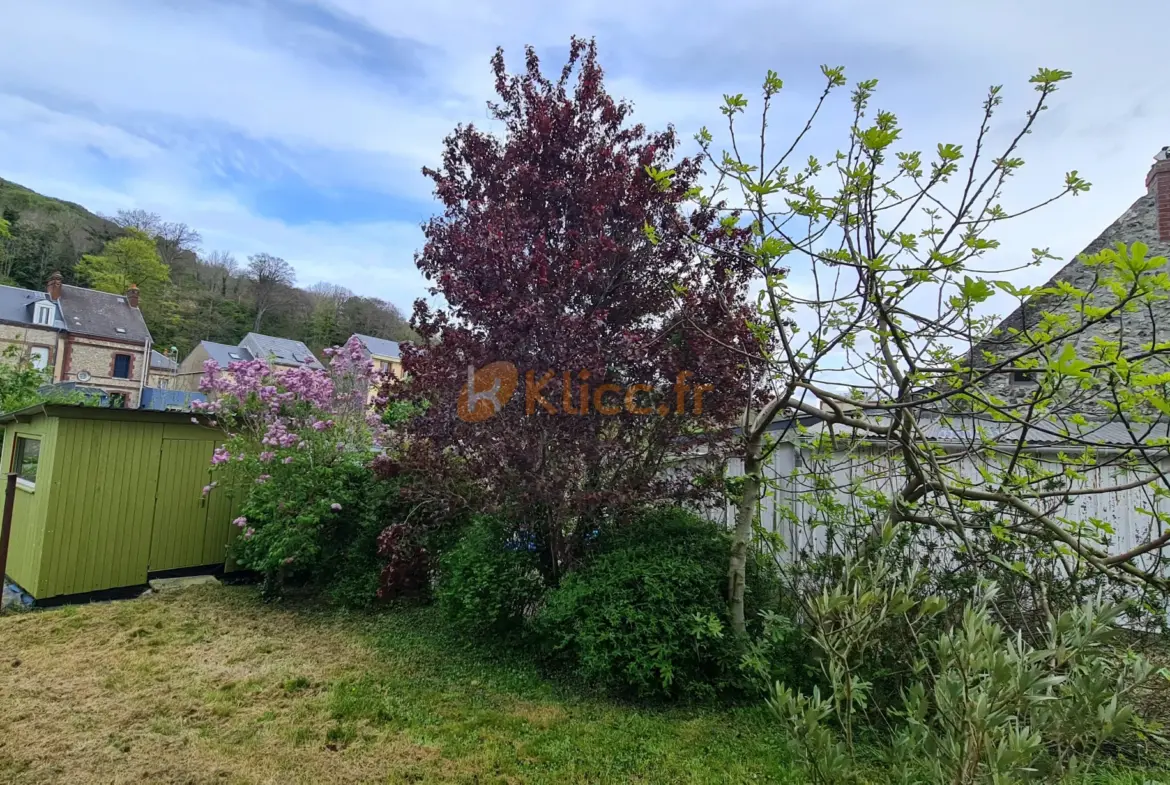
<point>299,127</point>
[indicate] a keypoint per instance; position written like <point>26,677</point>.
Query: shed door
<point>179,537</point>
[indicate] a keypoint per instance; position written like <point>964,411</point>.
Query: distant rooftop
<point>16,307</point>
<point>102,314</point>
<point>161,362</point>
<point>379,346</point>
<point>224,354</point>
<point>282,351</point>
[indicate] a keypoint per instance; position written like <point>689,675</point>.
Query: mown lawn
<point>207,685</point>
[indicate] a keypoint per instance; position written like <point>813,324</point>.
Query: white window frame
<point>36,351</point>
<point>43,315</point>
<point>28,485</point>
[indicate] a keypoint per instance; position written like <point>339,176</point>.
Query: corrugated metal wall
<point>845,476</point>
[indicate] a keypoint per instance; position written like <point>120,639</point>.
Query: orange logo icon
<point>487,391</point>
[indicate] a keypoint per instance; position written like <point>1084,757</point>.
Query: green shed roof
<point>75,412</point>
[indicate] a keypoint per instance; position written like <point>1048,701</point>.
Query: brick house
<point>279,352</point>
<point>92,338</point>
<point>1148,221</point>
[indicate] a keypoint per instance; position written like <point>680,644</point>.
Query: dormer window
<point>44,313</point>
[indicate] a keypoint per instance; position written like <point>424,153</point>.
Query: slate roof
<point>102,315</point>
<point>282,351</point>
<point>161,362</point>
<point>1138,223</point>
<point>223,354</point>
<point>16,307</point>
<point>379,346</point>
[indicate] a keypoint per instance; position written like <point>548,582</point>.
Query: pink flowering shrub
<point>298,448</point>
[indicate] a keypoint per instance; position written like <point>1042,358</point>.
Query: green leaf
<point>975,290</point>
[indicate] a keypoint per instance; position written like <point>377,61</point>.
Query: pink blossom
<point>248,533</point>
<point>267,456</point>
<point>335,507</point>
<point>263,478</point>
<point>221,455</point>
<point>288,460</point>
<point>241,522</point>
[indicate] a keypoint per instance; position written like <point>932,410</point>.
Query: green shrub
<point>488,582</point>
<point>982,704</point>
<point>646,615</point>
<point>317,523</point>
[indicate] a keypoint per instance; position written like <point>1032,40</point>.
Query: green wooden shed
<point>107,497</point>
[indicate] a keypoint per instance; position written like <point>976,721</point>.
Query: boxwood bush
<point>488,582</point>
<point>646,614</point>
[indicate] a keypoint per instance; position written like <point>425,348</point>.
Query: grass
<point>208,685</point>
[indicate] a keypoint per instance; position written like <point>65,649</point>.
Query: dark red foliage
<point>406,573</point>
<point>542,259</point>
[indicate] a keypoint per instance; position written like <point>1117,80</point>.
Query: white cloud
<point>161,89</point>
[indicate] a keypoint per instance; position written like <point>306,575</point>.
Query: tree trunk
<point>745,516</point>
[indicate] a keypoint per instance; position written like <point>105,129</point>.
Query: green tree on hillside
<point>5,252</point>
<point>134,260</point>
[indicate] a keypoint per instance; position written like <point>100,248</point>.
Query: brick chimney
<point>53,287</point>
<point>132,296</point>
<point>1158,186</point>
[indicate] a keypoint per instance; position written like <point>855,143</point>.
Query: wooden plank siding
<point>29,509</point>
<point>98,522</point>
<point>181,511</point>
<point>118,495</point>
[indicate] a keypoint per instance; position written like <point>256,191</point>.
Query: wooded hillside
<point>192,293</point>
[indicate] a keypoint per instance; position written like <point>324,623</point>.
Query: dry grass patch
<point>201,685</point>
<point>208,685</point>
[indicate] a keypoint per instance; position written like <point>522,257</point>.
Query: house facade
<point>385,355</point>
<point>278,352</point>
<point>162,371</point>
<point>1147,221</point>
<point>91,338</point>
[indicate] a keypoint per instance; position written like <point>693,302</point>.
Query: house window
<point>117,401</point>
<point>38,356</point>
<point>25,457</point>
<point>121,366</point>
<point>44,313</point>
<point>1019,375</point>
